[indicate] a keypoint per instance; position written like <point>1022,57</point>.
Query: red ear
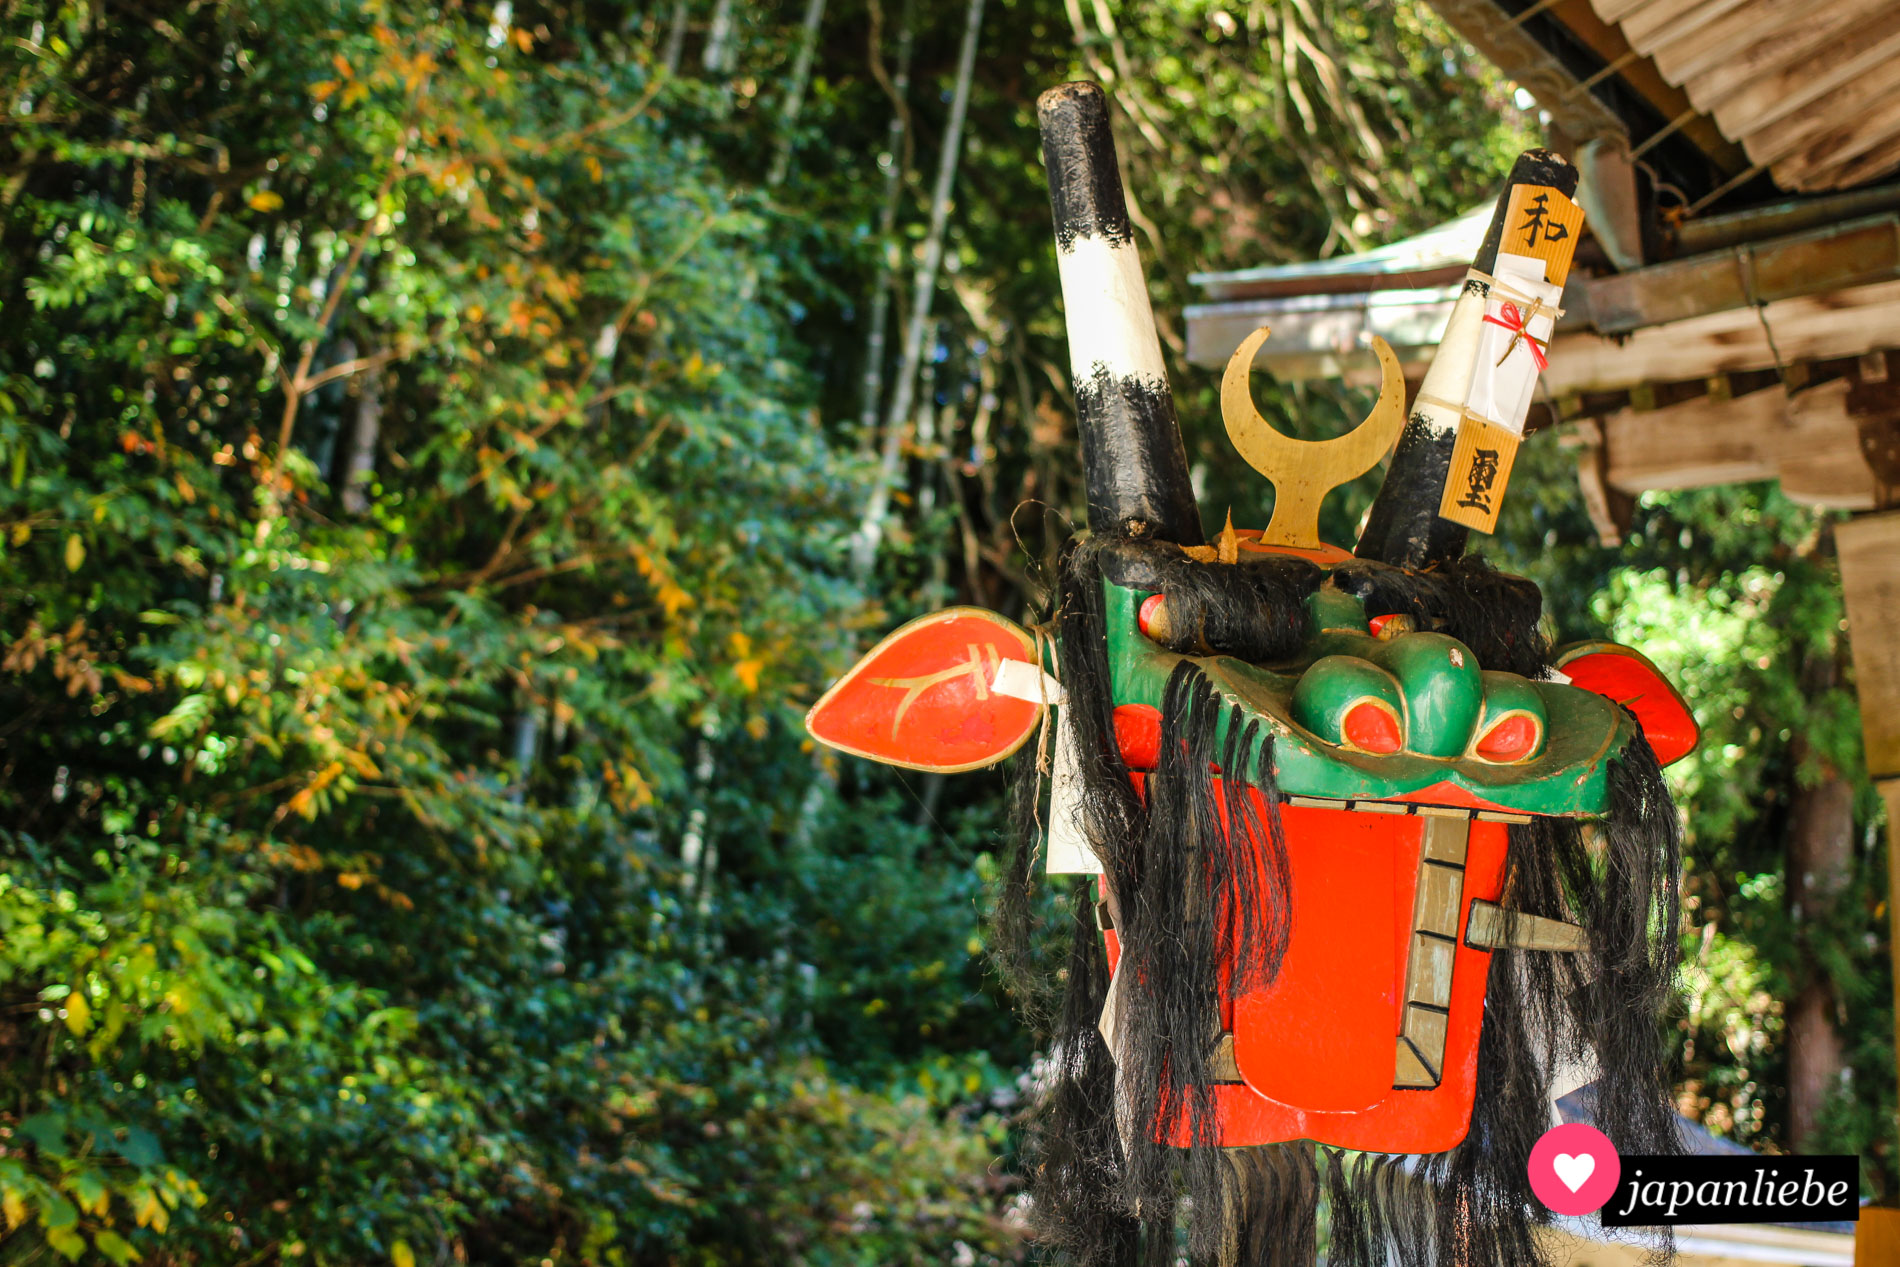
<point>923,698</point>
<point>1625,675</point>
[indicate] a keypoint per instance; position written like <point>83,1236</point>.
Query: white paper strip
<point>1068,852</point>
<point>1020,679</point>
<point>1521,307</point>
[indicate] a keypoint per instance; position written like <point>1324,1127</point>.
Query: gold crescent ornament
<point>1302,472</point>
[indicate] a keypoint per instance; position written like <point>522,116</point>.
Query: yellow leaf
<point>351,879</point>
<point>324,88</point>
<point>265,200</point>
<point>523,40</point>
<point>13,1206</point>
<point>342,65</point>
<point>75,553</point>
<point>673,598</point>
<point>756,727</point>
<point>22,533</point>
<point>747,671</point>
<point>78,1012</point>
<point>401,1255</point>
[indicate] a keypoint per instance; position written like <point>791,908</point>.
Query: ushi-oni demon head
<point>1375,867</point>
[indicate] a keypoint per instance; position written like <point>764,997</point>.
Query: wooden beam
<point>1640,75</point>
<point>1508,46</point>
<point>1869,551</point>
<point>1610,508</point>
<point>1827,259</point>
<point>1877,1234</point>
<point>1869,548</point>
<point>1808,328</point>
<point>1809,442</point>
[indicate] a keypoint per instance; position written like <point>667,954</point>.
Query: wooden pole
<point>1869,549</point>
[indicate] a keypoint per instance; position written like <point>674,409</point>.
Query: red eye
<point>1391,626</point>
<point>1138,735</point>
<point>1153,617</point>
<point>1513,738</point>
<point>1371,726</point>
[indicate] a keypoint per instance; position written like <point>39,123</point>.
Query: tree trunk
<point>897,142</point>
<point>718,56</point>
<point>359,466</point>
<point>795,94</point>
<point>675,39</point>
<point>923,289</point>
<point>1820,858</point>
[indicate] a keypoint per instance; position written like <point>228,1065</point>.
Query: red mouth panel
<point>1319,1051</point>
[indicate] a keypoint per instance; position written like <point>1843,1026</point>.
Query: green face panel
<point>1445,702</point>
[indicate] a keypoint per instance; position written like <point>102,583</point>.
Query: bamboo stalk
<point>795,95</point>
<point>897,142</point>
<point>923,290</point>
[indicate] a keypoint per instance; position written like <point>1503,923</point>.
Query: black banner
<point>1654,1191</point>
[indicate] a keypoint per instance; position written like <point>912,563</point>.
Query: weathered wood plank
<point>1808,441</point>
<point>1617,10</point>
<point>1777,48</point>
<point>1683,55</point>
<point>1665,20</point>
<point>1820,117</point>
<point>1869,550</point>
<point>1809,328</point>
<point>1803,68</point>
<point>1853,254</point>
<point>1816,164</point>
<point>1876,162</point>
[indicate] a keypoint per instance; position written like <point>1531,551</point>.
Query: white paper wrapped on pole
<point>1068,851</point>
<point>1520,314</point>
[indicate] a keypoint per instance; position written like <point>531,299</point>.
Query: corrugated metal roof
<point>1810,89</point>
<point>1406,264</point>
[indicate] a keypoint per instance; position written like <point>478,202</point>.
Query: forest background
<point>444,448</point>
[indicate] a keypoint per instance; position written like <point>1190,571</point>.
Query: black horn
<point>1403,527</point>
<point>1135,464</point>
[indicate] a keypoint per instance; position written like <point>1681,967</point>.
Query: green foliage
<point>344,917</point>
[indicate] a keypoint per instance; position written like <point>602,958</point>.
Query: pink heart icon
<point>1574,1169</point>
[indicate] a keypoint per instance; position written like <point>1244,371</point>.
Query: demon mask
<point>1379,874</point>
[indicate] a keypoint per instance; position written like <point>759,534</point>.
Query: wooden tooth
<point>1221,1063</point>
<point>1487,930</point>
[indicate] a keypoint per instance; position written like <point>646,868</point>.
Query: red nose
<point>1138,735</point>
<point>1370,726</point>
